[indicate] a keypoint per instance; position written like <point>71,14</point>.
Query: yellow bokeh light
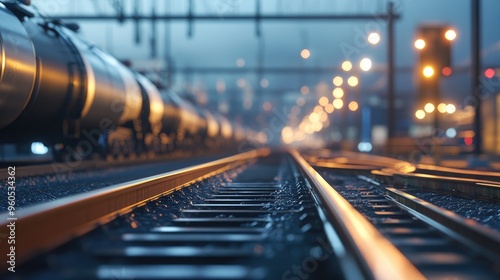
<point>305,53</point>
<point>347,65</point>
<point>287,131</point>
<point>428,71</point>
<point>309,128</point>
<point>304,90</point>
<point>420,44</point>
<point>329,108</point>
<point>352,81</point>
<point>323,101</point>
<point>323,116</point>
<point>338,81</point>
<point>338,93</point>
<point>429,108</point>
<point>450,35</point>
<point>373,38</point>
<point>318,108</point>
<point>338,103</point>
<point>353,106</point>
<point>317,126</point>
<point>420,114</point>
<point>450,108</point>
<point>441,108</point>
<point>314,117</point>
<point>287,134</point>
<point>365,64</point>
<point>299,136</point>
<point>302,125</point>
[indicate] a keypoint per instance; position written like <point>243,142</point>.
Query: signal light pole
<point>434,45</point>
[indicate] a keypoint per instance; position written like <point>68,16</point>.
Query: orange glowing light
<point>353,106</point>
<point>420,114</point>
<point>420,44</point>
<point>450,35</point>
<point>305,53</point>
<point>428,71</point>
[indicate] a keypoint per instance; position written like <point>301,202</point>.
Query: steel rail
<point>396,172</point>
<point>353,158</point>
<point>455,185</point>
<point>455,172</point>
<point>376,255</point>
<point>466,230</point>
<point>83,165</point>
<point>45,226</point>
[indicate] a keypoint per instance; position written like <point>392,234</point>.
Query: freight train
<point>65,92</point>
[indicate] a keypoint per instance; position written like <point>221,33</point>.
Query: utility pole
<point>391,118</point>
<point>476,63</point>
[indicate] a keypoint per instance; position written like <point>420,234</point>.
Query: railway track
<point>50,185</point>
<point>460,182</point>
<point>252,216</point>
<point>46,168</point>
<point>438,242</point>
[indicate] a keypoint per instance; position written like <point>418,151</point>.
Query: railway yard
<point>262,215</point>
<point>249,140</point>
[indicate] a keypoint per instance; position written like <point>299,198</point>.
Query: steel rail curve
<point>373,252</point>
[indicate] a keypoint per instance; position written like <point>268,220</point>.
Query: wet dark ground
<point>31,190</point>
<point>483,212</point>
